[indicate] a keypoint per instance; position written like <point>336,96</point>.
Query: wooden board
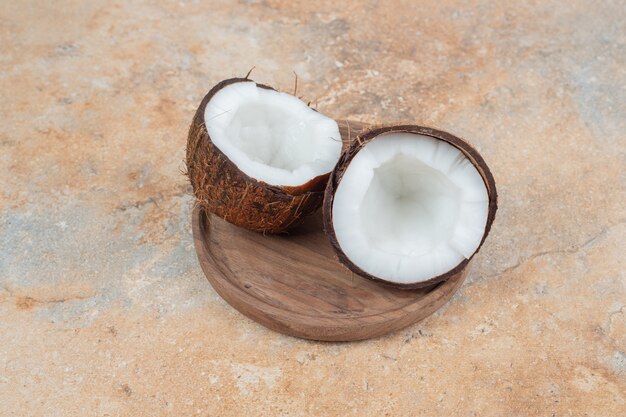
<point>294,284</point>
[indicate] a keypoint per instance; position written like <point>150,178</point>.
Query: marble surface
<point>104,310</point>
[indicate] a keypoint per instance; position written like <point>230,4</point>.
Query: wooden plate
<point>294,284</point>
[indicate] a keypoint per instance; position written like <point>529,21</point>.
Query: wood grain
<point>294,284</point>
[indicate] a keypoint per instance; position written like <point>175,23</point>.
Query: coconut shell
<point>356,145</point>
<point>221,188</point>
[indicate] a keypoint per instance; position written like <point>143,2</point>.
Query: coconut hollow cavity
<point>409,206</point>
<point>260,158</point>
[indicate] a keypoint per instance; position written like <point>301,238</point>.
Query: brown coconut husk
<point>221,188</point>
<point>356,145</point>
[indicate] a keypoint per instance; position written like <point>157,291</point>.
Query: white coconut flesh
<point>271,136</point>
<point>409,208</point>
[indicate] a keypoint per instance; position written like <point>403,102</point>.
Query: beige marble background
<point>104,310</point>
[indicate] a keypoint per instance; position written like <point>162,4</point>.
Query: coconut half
<point>260,158</point>
<point>409,206</point>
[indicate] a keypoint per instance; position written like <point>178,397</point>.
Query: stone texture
<point>104,309</point>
